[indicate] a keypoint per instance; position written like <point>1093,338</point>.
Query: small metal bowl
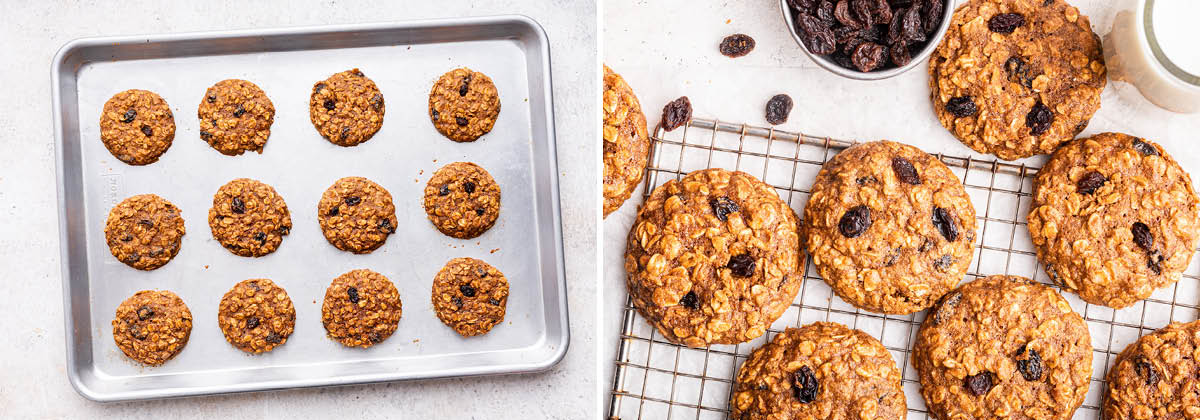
<point>828,64</point>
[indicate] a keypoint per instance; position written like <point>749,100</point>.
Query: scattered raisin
<point>212,98</point>
<point>962,106</point>
<point>944,221</point>
<point>330,105</point>
<point>352,200</point>
<point>457,302</point>
<point>864,180</point>
<point>138,332</point>
<point>239,111</point>
<point>283,230</point>
<point>905,171</point>
<point>435,114</point>
<point>778,108</point>
<point>385,225</point>
<point>1144,148</point>
<point>377,101</point>
<point>736,45</point>
<point>741,265</point>
<point>722,206</point>
<point>127,238</point>
<point>443,191</point>
<point>1006,23</point>
<point>274,338</point>
<point>676,113</point>
<point>147,130</point>
<point>462,122</point>
<point>333,211</point>
<point>869,56</point>
<point>345,133</point>
<point>944,262</point>
<point>1142,236</point>
<point>690,301</point>
<point>129,116</point>
<point>318,88</point>
<point>260,237</point>
<point>469,187</point>
<point>1154,262</point>
<point>352,294</point>
<point>204,135</point>
<point>467,290</point>
<point>979,384</point>
<point>466,84</point>
<point>237,205</point>
<point>1039,118</point>
<point>804,385</point>
<point>1019,72</point>
<point>1031,366</point>
<point>946,307</point>
<point>855,221</point>
<point>144,313</point>
<point>252,323</point>
<point>1090,182</point>
<point>1146,370</point>
<point>149,224</point>
<point>494,302</point>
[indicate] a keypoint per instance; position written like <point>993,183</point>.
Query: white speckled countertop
<point>33,379</point>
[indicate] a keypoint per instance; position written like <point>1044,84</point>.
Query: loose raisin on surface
<point>129,116</point>
<point>676,113</point>
<point>1030,366</point>
<point>1039,118</point>
<point>462,122</point>
<point>352,200</point>
<point>444,190</point>
<point>1142,236</point>
<point>1146,370</point>
<point>869,56</point>
<point>944,221</point>
<point>329,104</point>
<point>979,384</point>
<point>946,308</point>
<point>385,225</point>
<point>1090,182</point>
<point>252,323</point>
<point>736,45</point>
<point>962,106</point>
<point>352,294</point>
<point>905,171</point>
<point>147,130</point>
<point>804,385</point>
<point>144,313</point>
<point>239,111</point>
<point>1019,71</point>
<point>469,187</point>
<point>467,290</point>
<point>690,301</point>
<point>274,338</point>
<point>260,237</point>
<point>1144,148</point>
<point>466,84</point>
<point>778,109</point>
<point>855,221</point>
<point>237,205</point>
<point>1005,23</point>
<point>741,265</point>
<point>722,206</point>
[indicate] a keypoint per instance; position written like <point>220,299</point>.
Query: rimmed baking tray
<point>404,59</point>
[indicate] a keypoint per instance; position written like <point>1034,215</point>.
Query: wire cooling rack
<point>656,379</point>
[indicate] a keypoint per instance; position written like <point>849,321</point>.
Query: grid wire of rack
<point>656,379</point>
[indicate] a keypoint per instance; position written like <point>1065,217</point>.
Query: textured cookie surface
<point>236,117</point>
<point>1016,78</point>
<point>144,231</point>
<point>256,316</point>
<point>347,108</point>
<point>356,215</point>
<point>889,227</point>
<point>152,326</point>
<point>470,296</point>
<point>1003,347</point>
<point>137,126</point>
<point>361,309</point>
<point>249,218</point>
<point>819,371</point>
<point>464,104</point>
<point>626,141</point>
<point>462,200</point>
<point>713,258</point>
<point>1113,217</point>
<point>1157,377</point>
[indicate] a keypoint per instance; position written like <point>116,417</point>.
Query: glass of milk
<point>1154,46</point>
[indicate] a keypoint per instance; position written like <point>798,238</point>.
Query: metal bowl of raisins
<point>867,39</point>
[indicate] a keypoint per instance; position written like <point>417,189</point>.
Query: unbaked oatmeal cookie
<point>236,117</point>
<point>1157,377</point>
<point>464,104</point>
<point>626,141</point>
<point>256,316</point>
<point>356,215</point>
<point>462,200</point>
<point>152,326</point>
<point>144,231</point>
<point>361,309</point>
<point>347,108</point>
<point>470,296</point>
<point>249,218</point>
<point>137,126</point>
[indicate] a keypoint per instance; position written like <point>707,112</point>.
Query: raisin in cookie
<point>356,215</point>
<point>152,326</point>
<point>249,218</point>
<point>889,227</point>
<point>626,141</point>
<point>463,104</point>
<point>1016,78</point>
<point>347,108</point>
<point>1003,347</point>
<point>713,258</point>
<point>144,231</point>
<point>137,126</point>
<point>1113,217</point>
<point>1157,377</point>
<point>462,200</point>
<point>361,308</point>
<point>469,296</point>
<point>256,316</point>
<point>236,117</point>
<point>819,371</point>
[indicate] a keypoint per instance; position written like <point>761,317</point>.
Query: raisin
<point>804,385</point>
<point>333,211</point>
<point>345,133</point>
<point>156,252</point>
<point>864,180</point>
<point>129,116</point>
<point>284,230</point>
<point>911,27</point>
<point>352,294</point>
<point>260,237</point>
<point>869,56</point>
<point>905,171</point>
<point>274,338</point>
<point>1142,236</point>
<point>944,221</point>
<point>891,259</point>
<point>736,45</point>
<point>252,323</point>
<point>444,190</point>
<point>979,384</point>
<point>469,187</point>
<point>237,205</point>
<point>824,12</point>
<point>841,12</point>
<point>435,114</point>
<point>467,290</point>
<point>204,135</point>
<point>1006,23</point>
<point>1019,71</point>
<point>741,265</point>
<point>1154,262</point>
<point>926,245</point>
<point>1090,182</point>
<point>856,221</point>
<point>816,35</point>
<point>352,200</point>
<point>932,14</point>
<point>149,224</point>
<point>1146,370</point>
<point>138,332</point>
<point>690,301</point>
<point>962,106</point>
<point>1031,366</point>
<point>778,108</point>
<point>374,337</point>
<point>479,211</point>
<point>126,238</point>
<point>883,10</point>
<point>239,111</point>
<point>944,262</point>
<point>144,313</point>
<point>318,88</point>
<point>462,122</point>
<point>147,130</point>
<point>330,105</point>
<point>1039,118</point>
<point>722,206</point>
<point>1144,148</point>
<point>357,72</point>
<point>457,302</point>
<point>466,85</point>
<point>494,302</point>
<point>864,11</point>
<point>946,307</point>
<point>901,56</point>
<point>385,225</point>
<point>895,28</point>
<point>377,101</point>
<point>676,113</point>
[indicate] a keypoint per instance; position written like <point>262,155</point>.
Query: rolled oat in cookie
<point>256,316</point>
<point>361,309</point>
<point>1157,377</point>
<point>152,326</point>
<point>144,231</point>
<point>137,126</point>
<point>626,141</point>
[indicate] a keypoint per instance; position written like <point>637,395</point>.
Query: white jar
<point>1153,46</point>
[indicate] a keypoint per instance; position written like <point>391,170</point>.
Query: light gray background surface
<point>33,382</point>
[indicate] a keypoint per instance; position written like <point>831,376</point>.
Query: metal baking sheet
<point>404,59</point>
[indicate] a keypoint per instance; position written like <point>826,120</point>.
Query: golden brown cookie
<point>256,316</point>
<point>1016,78</point>
<point>1003,347</point>
<point>356,215</point>
<point>462,200</point>
<point>713,258</point>
<point>469,296</point>
<point>889,227</point>
<point>463,104</point>
<point>152,326</point>
<point>144,231</point>
<point>361,308</point>
<point>347,108</point>
<point>1113,218</point>
<point>819,371</point>
<point>137,126</point>
<point>236,117</point>
<point>1157,377</point>
<point>249,218</point>
<point>626,142</point>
